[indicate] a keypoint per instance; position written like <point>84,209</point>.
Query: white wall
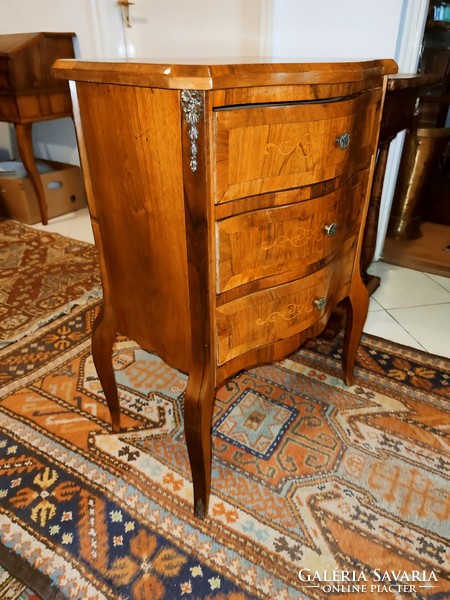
<point>339,29</point>
<point>24,16</point>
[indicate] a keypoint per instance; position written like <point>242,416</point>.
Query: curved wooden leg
<point>25,148</point>
<point>357,307</point>
<point>103,337</point>
<point>198,409</point>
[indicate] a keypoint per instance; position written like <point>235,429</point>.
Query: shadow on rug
<point>318,490</point>
<point>42,276</point>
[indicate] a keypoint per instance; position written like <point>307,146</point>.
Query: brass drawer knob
<point>331,229</point>
<point>320,303</point>
<point>343,141</point>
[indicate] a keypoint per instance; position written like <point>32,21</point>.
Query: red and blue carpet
<point>318,490</point>
<point>42,276</point>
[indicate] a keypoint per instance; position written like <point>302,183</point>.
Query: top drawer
<point>268,148</point>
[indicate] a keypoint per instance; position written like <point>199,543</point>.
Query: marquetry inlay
<point>289,312</point>
<point>299,238</point>
<point>303,147</point>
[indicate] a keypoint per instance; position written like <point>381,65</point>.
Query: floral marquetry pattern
<point>291,311</point>
<point>299,238</point>
<point>303,147</point>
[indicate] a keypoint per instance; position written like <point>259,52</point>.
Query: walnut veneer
<point>228,203</point>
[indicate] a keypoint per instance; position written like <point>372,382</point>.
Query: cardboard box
<point>64,192</point>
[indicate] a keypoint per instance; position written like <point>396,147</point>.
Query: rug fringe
<point>91,296</point>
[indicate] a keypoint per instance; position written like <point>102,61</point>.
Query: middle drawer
<point>263,243</point>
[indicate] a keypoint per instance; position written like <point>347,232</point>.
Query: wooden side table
<point>399,113</point>
<point>29,93</point>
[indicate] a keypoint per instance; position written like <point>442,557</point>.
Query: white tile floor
<point>76,225</point>
<point>412,308</point>
<point>409,307</point>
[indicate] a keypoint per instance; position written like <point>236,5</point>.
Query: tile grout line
<point>418,305</point>
<point>437,282</point>
<point>408,332</point>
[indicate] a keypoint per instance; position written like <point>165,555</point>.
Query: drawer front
<point>287,238</point>
<point>275,147</point>
<point>5,85</point>
<point>8,108</point>
<point>265,317</point>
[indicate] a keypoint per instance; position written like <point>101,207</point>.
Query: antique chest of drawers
<point>228,202</point>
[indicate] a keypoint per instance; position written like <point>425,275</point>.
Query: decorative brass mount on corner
<point>125,5</point>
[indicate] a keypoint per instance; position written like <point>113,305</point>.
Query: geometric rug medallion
<point>318,490</point>
<point>255,423</point>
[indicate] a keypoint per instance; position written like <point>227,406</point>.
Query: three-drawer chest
<point>228,202</point>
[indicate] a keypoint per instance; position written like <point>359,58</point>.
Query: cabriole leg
<point>103,338</point>
<point>357,306</point>
<point>198,409</point>
<point>25,148</point>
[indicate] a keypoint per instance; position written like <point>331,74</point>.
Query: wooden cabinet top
<point>16,43</point>
<point>221,73</point>
<point>26,60</point>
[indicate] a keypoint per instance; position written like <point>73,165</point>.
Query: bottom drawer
<point>267,316</point>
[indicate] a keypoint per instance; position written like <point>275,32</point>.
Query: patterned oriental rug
<point>318,490</point>
<point>42,275</point>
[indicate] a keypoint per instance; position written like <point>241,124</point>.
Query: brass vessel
<point>422,147</point>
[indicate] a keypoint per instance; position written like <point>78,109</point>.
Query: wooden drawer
<point>267,242</point>
<point>8,108</point>
<point>268,148</point>
<point>265,317</point>
<point>5,85</point>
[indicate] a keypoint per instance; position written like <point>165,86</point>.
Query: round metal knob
<point>320,303</point>
<point>331,229</point>
<point>343,141</point>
